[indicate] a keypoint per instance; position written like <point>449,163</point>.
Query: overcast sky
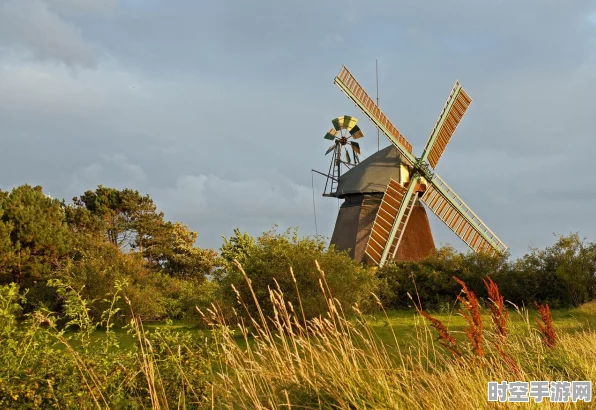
<point>217,109</point>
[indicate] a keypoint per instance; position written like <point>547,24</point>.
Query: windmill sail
<point>356,132</point>
<point>344,122</point>
<point>390,221</point>
<point>452,113</point>
<point>450,209</point>
<point>331,134</point>
<point>348,84</point>
<point>398,201</point>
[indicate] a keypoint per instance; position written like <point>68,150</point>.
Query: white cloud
<point>220,117</point>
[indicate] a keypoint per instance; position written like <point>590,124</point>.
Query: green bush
<point>562,275</point>
<point>45,366</point>
<point>430,281</point>
<point>268,259</point>
<point>159,296</point>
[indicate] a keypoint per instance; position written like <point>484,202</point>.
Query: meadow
<point>104,304</point>
<point>404,323</point>
<point>395,359</point>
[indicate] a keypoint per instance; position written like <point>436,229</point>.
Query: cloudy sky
<point>217,108</point>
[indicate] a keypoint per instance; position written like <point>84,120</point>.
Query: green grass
<point>126,340</point>
<point>404,324</point>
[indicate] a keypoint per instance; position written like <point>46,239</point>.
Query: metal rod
<point>314,208</point>
<point>377,76</point>
<point>338,159</point>
<point>329,173</point>
<point>325,175</point>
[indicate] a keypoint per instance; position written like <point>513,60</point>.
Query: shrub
<point>43,366</point>
<point>430,280</point>
<point>268,260</point>
<point>562,275</point>
<point>158,296</point>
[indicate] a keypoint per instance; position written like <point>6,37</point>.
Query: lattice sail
<point>385,221</point>
<point>460,218</point>
<point>348,84</point>
<point>401,225</point>
<point>451,115</point>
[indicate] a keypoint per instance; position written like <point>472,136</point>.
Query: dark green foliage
<point>174,252</point>
<point>561,275</point>
<point>107,236</point>
<point>158,296</point>
<point>431,279</point>
<point>267,261</point>
<point>33,236</point>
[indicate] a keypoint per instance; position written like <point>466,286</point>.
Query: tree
<point>39,239</point>
<point>128,217</point>
<point>239,247</point>
<point>6,250</point>
<point>172,249</point>
<point>131,222</point>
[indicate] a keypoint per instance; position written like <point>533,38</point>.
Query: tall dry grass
<point>338,362</point>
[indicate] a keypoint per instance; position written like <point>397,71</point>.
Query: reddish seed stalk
<point>445,338</point>
<point>546,326</point>
<point>511,363</point>
<point>498,312</point>
<point>472,316</point>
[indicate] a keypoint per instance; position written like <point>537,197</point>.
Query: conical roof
<point>371,175</point>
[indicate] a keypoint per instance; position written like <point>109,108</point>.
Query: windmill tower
<point>386,191</point>
<point>362,189</point>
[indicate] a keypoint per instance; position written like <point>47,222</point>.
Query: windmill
<point>343,133</point>
<point>416,179</point>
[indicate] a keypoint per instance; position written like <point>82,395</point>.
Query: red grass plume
<point>472,316</point>
<point>511,363</point>
<point>498,311</point>
<point>546,326</point>
<point>445,338</point>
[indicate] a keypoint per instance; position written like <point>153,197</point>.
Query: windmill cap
<point>372,174</point>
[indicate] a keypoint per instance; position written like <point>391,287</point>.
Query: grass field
<point>394,361</point>
<point>390,360</point>
<point>403,322</point>
<point>406,325</point>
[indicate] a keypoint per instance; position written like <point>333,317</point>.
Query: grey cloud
<point>217,109</point>
<point>213,205</point>
<point>216,205</point>
<point>33,26</point>
<point>113,171</point>
<point>95,6</point>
